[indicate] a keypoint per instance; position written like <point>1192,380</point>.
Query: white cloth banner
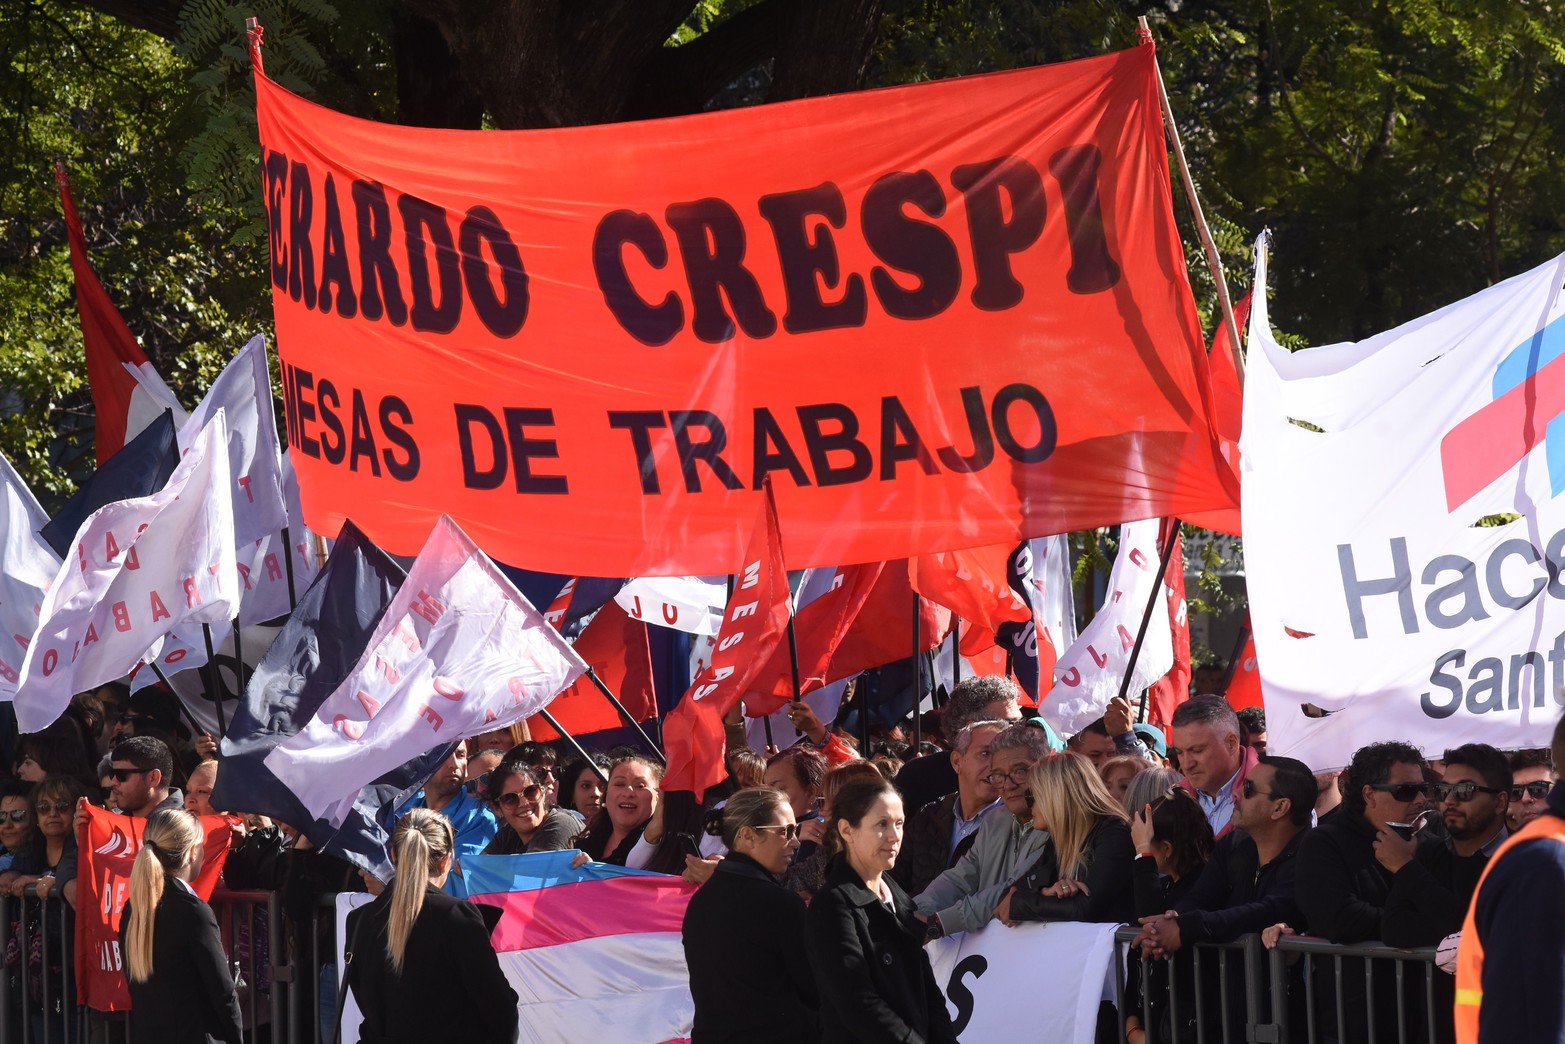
<point>1052,597</point>
<point>243,391</point>
<point>137,568</point>
<point>459,651</point>
<point>693,604</point>
<point>149,400</point>
<point>1031,982</point>
<point>1092,669</point>
<point>1373,594</point>
<point>27,567</point>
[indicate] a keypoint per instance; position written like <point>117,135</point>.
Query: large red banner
<point>106,847</point>
<point>937,317</point>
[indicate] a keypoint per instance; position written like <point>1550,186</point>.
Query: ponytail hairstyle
<point>751,807</point>
<point>167,844</point>
<point>421,841</point>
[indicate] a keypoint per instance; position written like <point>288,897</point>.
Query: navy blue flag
<point>1020,640</point>
<point>140,468</point>
<point>590,594</point>
<point>314,652</point>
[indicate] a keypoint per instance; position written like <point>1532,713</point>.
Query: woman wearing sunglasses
<point>744,932</point>
<point>45,868</point>
<point>527,823</point>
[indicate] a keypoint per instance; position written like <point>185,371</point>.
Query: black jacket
<point>744,946</point>
<point>874,980</point>
<point>923,857</point>
<point>190,997</point>
<point>1106,864</point>
<point>1235,895</point>
<point>451,988</point>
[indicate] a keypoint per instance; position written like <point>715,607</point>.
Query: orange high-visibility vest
<point>1469,954</point>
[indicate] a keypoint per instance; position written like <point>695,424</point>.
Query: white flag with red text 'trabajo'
<point>137,569</point>
<point>459,651</point>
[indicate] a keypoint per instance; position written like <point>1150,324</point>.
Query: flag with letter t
<point>457,652</point>
<point>137,569</point>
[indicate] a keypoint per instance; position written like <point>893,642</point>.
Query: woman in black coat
<point>744,932</point>
<point>864,941</point>
<point>419,962</point>
<point>181,988</point>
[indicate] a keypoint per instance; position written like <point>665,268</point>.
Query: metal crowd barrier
<point>38,974</point>
<point>1297,993</point>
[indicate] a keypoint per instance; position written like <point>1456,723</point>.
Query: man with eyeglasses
<point>942,831</point>
<point>1532,777</point>
<point>1346,870</point>
<point>1007,844</point>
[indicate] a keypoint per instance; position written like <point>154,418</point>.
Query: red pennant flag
<point>1244,688</point>
<point>122,404</point>
<point>755,623</point>
<point>973,584</point>
<point>615,647</point>
<point>1174,687</point>
<point>864,621</point>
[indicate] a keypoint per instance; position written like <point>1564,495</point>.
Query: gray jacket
<point>965,895</point>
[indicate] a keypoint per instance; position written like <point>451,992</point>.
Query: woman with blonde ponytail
<point>181,989</point>
<point>413,943</point>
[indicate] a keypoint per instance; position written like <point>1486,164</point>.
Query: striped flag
<point>593,953</point>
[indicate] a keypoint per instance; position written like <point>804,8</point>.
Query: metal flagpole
<point>624,713</point>
<point>175,693</point>
<point>215,680</point>
<point>918,674</point>
<point>1146,617</point>
<point>596,771</point>
<point>293,597</point>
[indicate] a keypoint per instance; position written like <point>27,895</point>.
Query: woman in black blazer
<point>181,988</point>
<point>864,941</point>
<point>419,962</point>
<point>744,932</point>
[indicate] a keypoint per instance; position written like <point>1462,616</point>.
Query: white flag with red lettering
<point>1093,668</point>
<point>459,651</point>
<point>137,569</point>
<point>692,604</point>
<point>27,566</point>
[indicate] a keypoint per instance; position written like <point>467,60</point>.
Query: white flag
<point>243,391</point>
<point>137,568</point>
<point>692,604</point>
<point>1053,599</point>
<point>1093,668</point>
<point>459,651</point>
<point>1373,592</point>
<point>27,567</point>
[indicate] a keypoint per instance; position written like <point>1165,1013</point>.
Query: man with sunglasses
<point>143,768</point>
<point>472,821</point>
<point>1346,871</point>
<point>1532,777</point>
<point>1007,844</point>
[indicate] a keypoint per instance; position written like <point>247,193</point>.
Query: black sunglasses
<point>528,793</point>
<point>1248,789</point>
<point>1463,791</point>
<point>1538,790</point>
<point>16,815</point>
<point>1402,791</point>
<point>121,775</point>
<point>791,828</point>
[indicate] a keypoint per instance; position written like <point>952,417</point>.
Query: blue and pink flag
<point>594,952</point>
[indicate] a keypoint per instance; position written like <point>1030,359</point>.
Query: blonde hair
<point>421,841</point>
<point>1072,797</point>
<point>166,845</point>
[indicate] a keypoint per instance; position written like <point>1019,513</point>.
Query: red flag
<point>122,404</point>
<point>755,623</point>
<point>107,845</point>
<point>615,647</point>
<point>1227,415</point>
<point>971,583</point>
<point>1244,688</point>
<point>864,621</point>
<point>1174,687</point>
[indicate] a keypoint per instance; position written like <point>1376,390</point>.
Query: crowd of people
<point>819,872</point>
